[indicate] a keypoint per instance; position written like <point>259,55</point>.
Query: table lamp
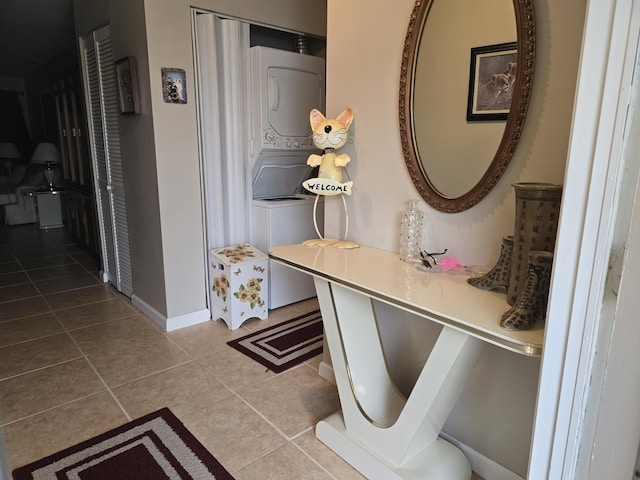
<point>47,154</point>
<point>8,153</point>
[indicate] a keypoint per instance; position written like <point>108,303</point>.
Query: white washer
<point>286,221</point>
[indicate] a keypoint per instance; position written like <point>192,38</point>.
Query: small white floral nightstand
<point>239,284</point>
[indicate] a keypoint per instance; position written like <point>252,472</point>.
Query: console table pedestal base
<point>378,431</point>
<point>440,461</point>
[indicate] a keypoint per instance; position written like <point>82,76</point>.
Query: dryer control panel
<point>271,139</point>
<point>285,87</point>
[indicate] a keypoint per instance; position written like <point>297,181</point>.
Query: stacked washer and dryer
<point>285,86</point>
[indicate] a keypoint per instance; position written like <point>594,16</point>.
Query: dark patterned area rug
<point>155,447</point>
<point>284,345</point>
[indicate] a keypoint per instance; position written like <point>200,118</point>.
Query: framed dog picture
<point>127,81</point>
<point>492,76</point>
<point>174,85</point>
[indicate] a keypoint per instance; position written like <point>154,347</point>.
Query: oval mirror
<point>465,82</point>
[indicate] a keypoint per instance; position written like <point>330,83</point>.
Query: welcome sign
<point>327,186</point>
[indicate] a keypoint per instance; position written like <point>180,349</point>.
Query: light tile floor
<point>77,359</point>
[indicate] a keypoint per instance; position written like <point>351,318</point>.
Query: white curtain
<point>222,60</point>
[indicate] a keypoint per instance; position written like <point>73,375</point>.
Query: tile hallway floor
<point>77,359</point>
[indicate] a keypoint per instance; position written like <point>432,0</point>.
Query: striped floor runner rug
<point>284,345</point>
<point>154,447</point>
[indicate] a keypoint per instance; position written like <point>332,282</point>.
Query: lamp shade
<point>9,150</point>
<point>46,153</point>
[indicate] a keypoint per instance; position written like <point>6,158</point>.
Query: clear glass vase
<point>411,232</point>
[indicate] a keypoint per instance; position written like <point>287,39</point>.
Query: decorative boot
<point>536,224</point>
<point>531,304</point>
<point>499,275</point>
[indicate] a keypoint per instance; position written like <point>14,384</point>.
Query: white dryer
<point>285,86</point>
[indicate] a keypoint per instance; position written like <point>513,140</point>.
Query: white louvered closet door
<point>102,104</point>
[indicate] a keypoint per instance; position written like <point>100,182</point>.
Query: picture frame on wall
<point>127,82</point>
<point>492,75</point>
<point>174,85</point>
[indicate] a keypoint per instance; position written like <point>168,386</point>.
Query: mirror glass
<point>457,53</point>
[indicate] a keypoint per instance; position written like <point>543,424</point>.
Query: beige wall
<point>137,136</point>
<point>365,38</point>
<point>160,146</point>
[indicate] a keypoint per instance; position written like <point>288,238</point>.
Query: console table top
<point>445,298</point>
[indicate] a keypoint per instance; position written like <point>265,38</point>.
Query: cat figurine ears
<point>316,119</point>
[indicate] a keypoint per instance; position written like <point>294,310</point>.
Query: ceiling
<point>34,33</point>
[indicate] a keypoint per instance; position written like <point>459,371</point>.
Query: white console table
<point>378,431</point>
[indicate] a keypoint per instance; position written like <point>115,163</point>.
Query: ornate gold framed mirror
<point>455,162</point>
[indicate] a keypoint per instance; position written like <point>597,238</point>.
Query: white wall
<point>364,47</point>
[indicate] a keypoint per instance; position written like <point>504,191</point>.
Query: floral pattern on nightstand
<point>250,293</point>
<point>238,253</point>
<point>221,286</point>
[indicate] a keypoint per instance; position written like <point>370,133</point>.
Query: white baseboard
<point>149,311</point>
<point>326,371</point>
<point>171,323</point>
<point>480,464</point>
<point>104,276</point>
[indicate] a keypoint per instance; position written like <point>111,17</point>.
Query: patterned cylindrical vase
<point>536,225</point>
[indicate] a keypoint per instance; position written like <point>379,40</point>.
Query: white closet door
<point>102,104</point>
<point>222,67</point>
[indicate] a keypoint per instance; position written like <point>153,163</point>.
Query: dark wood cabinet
<point>79,199</point>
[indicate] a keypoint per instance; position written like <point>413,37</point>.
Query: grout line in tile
<point>41,368</point>
<point>299,434</point>
<point>26,270</point>
<point>149,375</point>
<point>318,464</point>
<point>25,316</point>
<point>54,407</point>
<point>102,380</point>
<point>35,338</point>
<point>262,456</point>
<point>76,329</point>
<point>73,306</point>
<point>21,298</point>
<point>110,388</point>
<point>18,283</point>
<point>260,414</point>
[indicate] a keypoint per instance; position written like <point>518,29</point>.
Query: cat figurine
<point>329,135</point>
